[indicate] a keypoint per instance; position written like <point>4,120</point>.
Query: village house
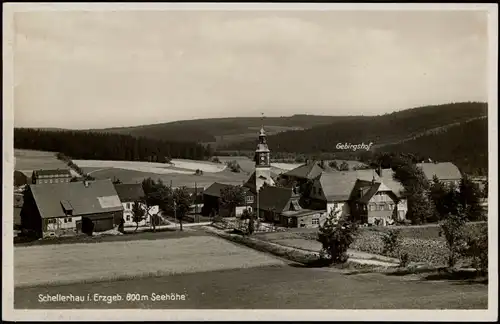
<point>300,175</point>
<point>130,194</point>
<point>20,179</point>
<point>281,206</point>
<point>446,172</point>
<point>71,207</point>
<point>51,176</point>
<point>212,201</point>
<point>374,203</point>
<point>360,195</point>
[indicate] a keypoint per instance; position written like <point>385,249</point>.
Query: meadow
<point>67,263</point>
<point>177,179</point>
<point>28,160</point>
<point>176,166</point>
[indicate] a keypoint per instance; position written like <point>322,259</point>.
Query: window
<point>128,218</point>
<point>128,205</point>
<point>249,199</point>
<point>319,191</point>
<point>315,221</point>
<point>69,220</point>
<point>65,220</point>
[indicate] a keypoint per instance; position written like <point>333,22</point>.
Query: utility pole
<point>175,213</point>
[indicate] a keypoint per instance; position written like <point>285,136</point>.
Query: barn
<point>71,207</point>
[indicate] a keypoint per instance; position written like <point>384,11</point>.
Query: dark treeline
<point>465,145</point>
<point>106,146</point>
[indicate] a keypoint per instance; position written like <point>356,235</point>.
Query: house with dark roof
<point>73,206</point>
<point>20,179</point>
<point>281,206</point>
<point>212,200</point>
<point>375,203</point>
<point>129,194</point>
<point>51,176</point>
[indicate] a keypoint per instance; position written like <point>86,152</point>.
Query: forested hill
<point>383,129</point>
<point>218,130</point>
<point>105,146</point>
<point>466,145</point>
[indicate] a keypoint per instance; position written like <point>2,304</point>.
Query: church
<point>262,174</point>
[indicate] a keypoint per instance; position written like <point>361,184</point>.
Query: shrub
<point>477,250</point>
<point>391,241</point>
<point>404,259</point>
<point>233,166</point>
<point>336,237</point>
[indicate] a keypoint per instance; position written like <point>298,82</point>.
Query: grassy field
<point>178,180</point>
<point>28,160</point>
<point>66,263</point>
<point>277,287</point>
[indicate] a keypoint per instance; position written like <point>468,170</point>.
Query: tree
<point>231,197</point>
<point>452,227</point>
<point>470,196</point>
<point>182,200</point>
<point>415,184</point>
<point>438,195</point>
<point>137,214</point>
<point>155,194</point>
<point>485,190</point>
<point>344,166</point>
<point>333,164</point>
<point>336,236</point>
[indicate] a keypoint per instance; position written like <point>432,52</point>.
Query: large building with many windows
<point>51,176</point>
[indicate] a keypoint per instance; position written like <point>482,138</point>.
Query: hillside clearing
<point>62,263</point>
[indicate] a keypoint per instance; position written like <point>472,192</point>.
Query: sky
<point>84,69</point>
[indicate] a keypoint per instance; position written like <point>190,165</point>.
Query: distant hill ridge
<point>381,130</point>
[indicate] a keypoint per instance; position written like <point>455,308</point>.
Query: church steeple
<point>262,161</point>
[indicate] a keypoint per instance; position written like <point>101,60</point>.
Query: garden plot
<point>65,263</point>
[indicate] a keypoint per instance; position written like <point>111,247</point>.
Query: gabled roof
<point>388,179</point>
<point>99,196</point>
<point>444,171</point>
<point>307,171</point>
<point>53,172</point>
<point>129,192</point>
<point>215,189</point>
<point>337,186</point>
<point>250,183</point>
<point>274,198</point>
